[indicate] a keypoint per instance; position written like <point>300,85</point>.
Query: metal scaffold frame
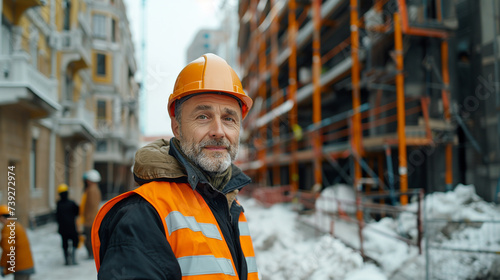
<point>286,133</point>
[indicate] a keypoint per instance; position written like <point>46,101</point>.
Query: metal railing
<point>461,249</point>
<point>18,72</point>
<point>357,213</point>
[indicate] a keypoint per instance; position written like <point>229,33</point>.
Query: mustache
<point>216,142</point>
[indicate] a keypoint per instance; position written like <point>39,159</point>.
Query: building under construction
<point>378,94</point>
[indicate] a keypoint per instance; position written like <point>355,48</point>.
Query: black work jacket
<point>66,213</point>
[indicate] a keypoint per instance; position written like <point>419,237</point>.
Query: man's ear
<point>175,127</point>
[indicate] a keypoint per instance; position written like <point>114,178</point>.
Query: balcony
<point>75,47</point>
<point>18,7</point>
<point>22,84</point>
<point>107,129</point>
<point>118,143</point>
<point>77,123</point>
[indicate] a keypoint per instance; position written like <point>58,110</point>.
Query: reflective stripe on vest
<point>202,265</point>
<point>175,221</point>
<point>251,264</point>
<point>244,230</point>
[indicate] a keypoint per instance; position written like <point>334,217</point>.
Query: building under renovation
<point>378,94</point>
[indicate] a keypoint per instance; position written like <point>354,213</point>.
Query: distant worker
<point>18,261</point>
<point>92,200</point>
<point>184,221</point>
<point>66,215</point>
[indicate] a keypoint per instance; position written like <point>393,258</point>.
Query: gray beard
<point>218,162</point>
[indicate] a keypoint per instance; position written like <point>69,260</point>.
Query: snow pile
<point>461,204</point>
<point>442,209</point>
<point>286,249</point>
<point>448,240</point>
<point>389,252</point>
<point>336,199</point>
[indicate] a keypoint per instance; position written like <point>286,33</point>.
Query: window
<point>102,146</point>
<point>67,164</point>
<point>33,164</point>
<point>99,26</point>
<point>114,31</point>
<point>69,87</point>
<point>100,64</point>
<point>101,110</point>
<point>5,40</point>
<point>67,13</point>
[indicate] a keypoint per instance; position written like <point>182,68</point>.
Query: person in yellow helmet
<point>66,213</point>
<point>184,221</point>
<point>16,252</point>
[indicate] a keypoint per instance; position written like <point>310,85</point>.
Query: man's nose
<point>217,128</point>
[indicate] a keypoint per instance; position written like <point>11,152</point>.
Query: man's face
<point>210,130</point>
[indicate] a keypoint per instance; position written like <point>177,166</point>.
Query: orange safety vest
<point>191,230</point>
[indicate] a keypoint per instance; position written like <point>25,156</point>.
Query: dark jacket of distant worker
<point>66,213</point>
<point>184,222</point>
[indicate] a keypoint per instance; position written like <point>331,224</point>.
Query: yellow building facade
<point>53,82</point>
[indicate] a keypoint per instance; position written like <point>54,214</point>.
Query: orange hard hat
<point>211,74</point>
<point>4,210</point>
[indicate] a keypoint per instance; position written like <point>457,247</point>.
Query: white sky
<point>170,27</point>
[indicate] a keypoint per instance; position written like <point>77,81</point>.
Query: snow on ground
<point>49,261</point>
<point>287,248</point>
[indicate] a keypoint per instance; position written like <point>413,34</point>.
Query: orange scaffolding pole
<point>292,94</point>
<point>379,5</point>
<point>316,75</point>
<point>275,88</point>
<point>446,109</point>
<point>263,94</point>
<point>356,119</point>
<point>356,99</point>
<point>403,169</point>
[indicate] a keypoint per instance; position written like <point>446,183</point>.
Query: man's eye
<point>202,117</point>
<point>229,119</point>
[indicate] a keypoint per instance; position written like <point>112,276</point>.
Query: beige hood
<point>153,161</point>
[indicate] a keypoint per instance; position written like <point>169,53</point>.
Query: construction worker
<point>66,213</point>
<point>92,197</point>
<point>16,251</point>
<point>184,222</point>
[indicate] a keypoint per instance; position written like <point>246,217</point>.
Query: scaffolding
<point>339,90</point>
